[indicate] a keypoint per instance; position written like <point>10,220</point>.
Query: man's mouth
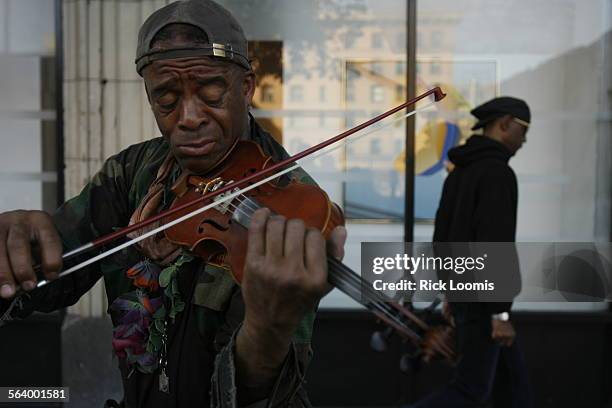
<point>196,149</point>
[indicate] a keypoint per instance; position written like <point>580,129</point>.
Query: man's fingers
<point>50,247</point>
<point>336,242</point>
<point>275,233</point>
<point>7,283</point>
<point>510,338</point>
<point>506,341</point>
<point>503,337</point>
<point>257,233</point>
<point>294,240</point>
<point>315,258</point>
<point>20,256</point>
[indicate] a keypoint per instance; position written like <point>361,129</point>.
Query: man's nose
<point>192,116</point>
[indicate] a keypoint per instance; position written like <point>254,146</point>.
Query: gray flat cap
<point>225,35</point>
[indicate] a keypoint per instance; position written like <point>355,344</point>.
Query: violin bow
<point>272,172</point>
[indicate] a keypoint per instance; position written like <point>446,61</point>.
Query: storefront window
<point>477,49</point>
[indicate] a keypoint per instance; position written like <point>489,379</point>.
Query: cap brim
<point>478,125</point>
<point>213,50</point>
<point>483,122</point>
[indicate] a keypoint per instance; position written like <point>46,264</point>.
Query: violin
<point>221,233</point>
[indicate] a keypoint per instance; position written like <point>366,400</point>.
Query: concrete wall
<point>106,108</point>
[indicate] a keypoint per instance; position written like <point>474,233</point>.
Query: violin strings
<point>374,304</point>
<point>345,276</point>
<point>443,348</point>
<point>374,296</point>
<point>381,305</point>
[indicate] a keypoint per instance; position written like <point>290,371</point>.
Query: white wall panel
<point>20,147</point>
<point>3,26</point>
<point>20,83</point>
<point>25,194</point>
<point>31,26</point>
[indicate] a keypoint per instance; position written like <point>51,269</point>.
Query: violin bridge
<point>224,206</point>
<point>243,211</point>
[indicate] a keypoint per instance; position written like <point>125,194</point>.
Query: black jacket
<point>479,200</point>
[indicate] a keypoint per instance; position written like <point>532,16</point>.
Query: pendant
<point>164,382</point>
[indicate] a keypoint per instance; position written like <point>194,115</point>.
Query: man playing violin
<point>185,333</point>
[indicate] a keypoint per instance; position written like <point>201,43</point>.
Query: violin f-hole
<point>213,224</point>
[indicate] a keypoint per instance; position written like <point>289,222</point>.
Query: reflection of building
<point>363,74</point>
<point>370,88</point>
<point>435,44</point>
<point>354,70</point>
<point>266,57</point>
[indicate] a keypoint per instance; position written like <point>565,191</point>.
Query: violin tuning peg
<point>408,364</point>
<point>378,341</point>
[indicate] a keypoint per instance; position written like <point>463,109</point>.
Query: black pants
<point>475,375</point>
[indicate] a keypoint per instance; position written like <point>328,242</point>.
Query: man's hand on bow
<point>22,235</point>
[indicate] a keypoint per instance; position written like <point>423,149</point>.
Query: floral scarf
<point>141,314</point>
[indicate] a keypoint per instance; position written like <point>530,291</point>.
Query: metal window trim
<point>20,176</point>
<point>47,114</point>
<point>59,99</point>
<point>411,43</point>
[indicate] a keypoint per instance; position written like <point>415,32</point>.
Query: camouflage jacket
<point>200,352</point>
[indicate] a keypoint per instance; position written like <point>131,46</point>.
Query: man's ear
<point>249,87</point>
<point>147,92</point>
<point>505,122</point>
<point>143,74</point>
